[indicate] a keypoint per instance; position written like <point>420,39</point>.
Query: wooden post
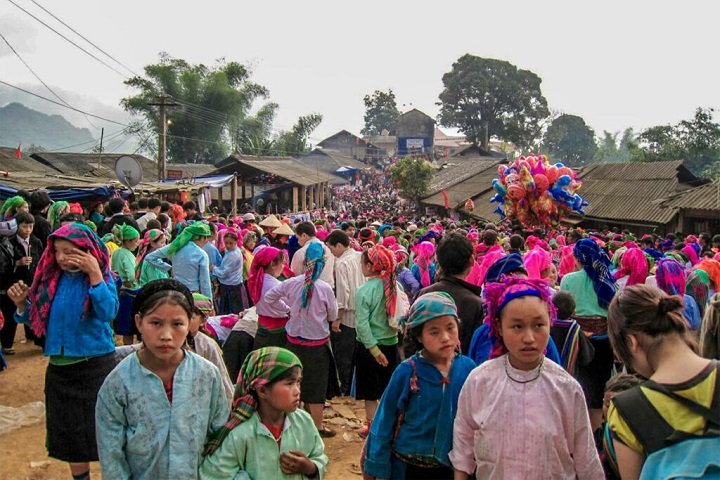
<point>295,199</point>
<point>252,195</point>
<point>311,197</point>
<point>243,189</point>
<point>303,198</point>
<point>322,194</point>
<point>233,195</point>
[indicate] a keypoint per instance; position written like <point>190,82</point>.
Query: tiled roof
<point>462,181</point>
<point>284,167</point>
<point>705,197</point>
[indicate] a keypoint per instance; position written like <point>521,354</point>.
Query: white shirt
<point>348,277</point>
<point>327,275</point>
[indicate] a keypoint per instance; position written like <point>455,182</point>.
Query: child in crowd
<point>156,410</point>
<point>618,383</point>
<point>205,346</point>
<point>576,350</point>
<point>410,437</point>
<point>267,436</point>
<point>72,301</point>
<point>404,276</point>
<point>674,408</point>
<point>231,295</point>
<point>376,352</point>
<point>266,267</point>
<point>312,309</point>
<point>504,427</point>
<point>123,264</point>
<point>145,272</point>
<point>424,266</point>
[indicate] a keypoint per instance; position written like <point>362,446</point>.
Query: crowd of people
<point>190,346</point>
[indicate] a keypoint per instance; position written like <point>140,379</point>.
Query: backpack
<point>672,454</point>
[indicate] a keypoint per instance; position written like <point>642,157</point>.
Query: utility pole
<point>163,101</point>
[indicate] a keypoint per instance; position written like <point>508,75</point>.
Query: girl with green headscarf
<point>267,436</point>
<point>57,210</point>
<point>122,263</point>
<point>13,205</point>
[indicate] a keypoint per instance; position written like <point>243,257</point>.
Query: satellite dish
<point>128,171</point>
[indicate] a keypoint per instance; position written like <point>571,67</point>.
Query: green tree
<point>487,98</point>
<point>413,177</point>
<point>569,140</point>
<point>212,101</point>
<point>381,112</point>
<point>294,142</point>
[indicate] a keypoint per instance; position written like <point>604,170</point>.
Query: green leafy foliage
<point>413,177</point>
<point>570,141</point>
<point>611,151</point>
<point>487,98</point>
<point>381,112</point>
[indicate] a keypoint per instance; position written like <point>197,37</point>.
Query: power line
<point>84,38</point>
<point>68,40</point>
<point>61,104</point>
<point>41,80</point>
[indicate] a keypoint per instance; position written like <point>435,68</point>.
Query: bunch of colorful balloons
<point>537,193</point>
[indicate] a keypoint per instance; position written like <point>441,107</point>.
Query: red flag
<point>445,197</point>
<point>18,152</point>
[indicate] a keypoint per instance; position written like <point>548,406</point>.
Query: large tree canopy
<point>487,98</point>
<point>381,112</point>
<point>413,177</point>
<point>569,140</point>
<point>697,141</point>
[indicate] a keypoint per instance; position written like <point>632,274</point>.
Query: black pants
<point>7,334</point>
<point>235,349</point>
<point>435,473</point>
<point>343,345</point>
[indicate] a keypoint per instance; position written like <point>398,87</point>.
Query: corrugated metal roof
<point>706,197</point>
<point>627,191</point>
<point>92,164</point>
<point>460,170</point>
<point>462,182</point>
<point>284,167</point>
<point>9,163</point>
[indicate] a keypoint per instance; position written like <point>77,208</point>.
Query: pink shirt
<point>312,322</point>
<point>536,430</point>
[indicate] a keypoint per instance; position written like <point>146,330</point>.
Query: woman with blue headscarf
<point>312,309</point>
<point>593,287</point>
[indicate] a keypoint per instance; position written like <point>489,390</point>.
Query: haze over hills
<point>53,127</point>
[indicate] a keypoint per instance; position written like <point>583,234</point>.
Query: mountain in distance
<point>19,124</point>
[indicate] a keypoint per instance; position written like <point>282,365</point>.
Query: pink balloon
<point>552,174</point>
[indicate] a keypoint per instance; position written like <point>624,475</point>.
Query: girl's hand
<point>85,262</point>
<point>294,461</point>
<point>382,360</point>
<point>18,294</point>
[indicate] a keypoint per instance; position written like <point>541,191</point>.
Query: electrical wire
<point>41,80</point>
<point>68,40</point>
<point>84,38</point>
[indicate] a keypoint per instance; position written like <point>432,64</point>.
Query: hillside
<point>19,124</point>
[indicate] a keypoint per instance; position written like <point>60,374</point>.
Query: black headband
<point>156,286</point>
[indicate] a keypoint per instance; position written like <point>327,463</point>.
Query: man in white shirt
<point>348,278</point>
<point>153,209</point>
<point>305,233</point>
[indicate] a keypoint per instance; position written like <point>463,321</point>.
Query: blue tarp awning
<point>68,194</point>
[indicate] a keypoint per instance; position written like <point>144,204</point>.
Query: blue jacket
<point>427,427</point>
<point>481,345</point>
<point>69,333</point>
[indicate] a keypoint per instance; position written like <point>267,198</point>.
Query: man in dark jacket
<point>39,203</point>
<point>455,258</point>
<point>116,206</point>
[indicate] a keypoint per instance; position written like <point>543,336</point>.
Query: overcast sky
<point>617,64</point>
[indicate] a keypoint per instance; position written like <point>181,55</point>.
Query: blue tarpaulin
<point>68,194</point>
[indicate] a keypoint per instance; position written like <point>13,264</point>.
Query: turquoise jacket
<point>427,427</point>
<point>69,332</point>
<point>141,435</point>
<point>250,452</point>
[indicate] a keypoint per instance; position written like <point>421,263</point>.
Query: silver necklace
<point>507,371</point>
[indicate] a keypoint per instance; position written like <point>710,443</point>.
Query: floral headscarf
<point>423,253</point>
<point>596,264</point>
<point>382,261</point>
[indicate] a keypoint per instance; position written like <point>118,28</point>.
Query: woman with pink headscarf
<point>424,267</point>
<point>633,269</point>
<point>539,265</point>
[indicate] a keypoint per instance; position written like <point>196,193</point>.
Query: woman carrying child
<point>267,436</point>
<point>519,415</point>
<point>72,301</point>
<point>409,437</point>
<point>156,410</point>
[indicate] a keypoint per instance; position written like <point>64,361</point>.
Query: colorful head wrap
<point>262,259</point>
<point>382,262</point>
<point>45,283</point>
<point>313,266</point>
<point>191,232</point>
<point>712,268</point>
<point>536,261</point>
<point>691,253</point>
<point>697,287</point>
<point>635,264</point>
<point>666,245</point>
<point>498,294</point>
<point>670,276</point>
<point>260,368</point>
<point>503,266</point>
<point>10,207</point>
<point>473,236</point>
<point>204,304</point>
<point>149,237</point>
<point>125,232</point>
<point>57,210</point>
<point>596,264</point>
<point>423,253</point>
<point>428,307</point>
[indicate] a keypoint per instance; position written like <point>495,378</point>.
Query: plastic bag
<point>12,418</point>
